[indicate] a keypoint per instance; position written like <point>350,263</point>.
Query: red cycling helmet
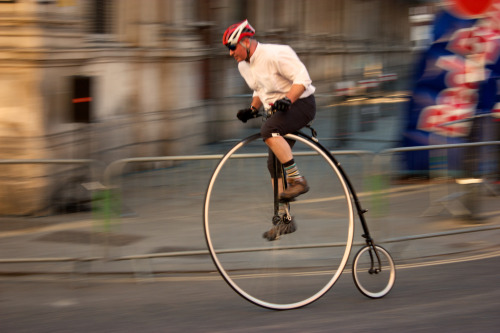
<point>236,32</point>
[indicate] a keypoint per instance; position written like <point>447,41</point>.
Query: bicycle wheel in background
<point>374,273</point>
<point>298,268</point>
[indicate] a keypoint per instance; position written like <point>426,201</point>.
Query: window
<point>100,17</point>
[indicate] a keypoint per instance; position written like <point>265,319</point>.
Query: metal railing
<point>115,170</point>
<point>382,162</point>
<point>116,167</point>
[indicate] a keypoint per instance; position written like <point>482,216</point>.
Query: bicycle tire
<point>373,284</point>
<point>288,273</point>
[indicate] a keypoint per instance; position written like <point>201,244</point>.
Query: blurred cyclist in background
<point>282,86</point>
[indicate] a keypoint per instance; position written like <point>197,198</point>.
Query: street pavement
<point>154,218</point>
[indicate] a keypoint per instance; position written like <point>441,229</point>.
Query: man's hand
<point>283,104</point>
<point>246,114</point>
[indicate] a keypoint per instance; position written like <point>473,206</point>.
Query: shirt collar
<point>255,54</point>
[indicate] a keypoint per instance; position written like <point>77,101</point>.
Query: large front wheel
<point>298,268</point>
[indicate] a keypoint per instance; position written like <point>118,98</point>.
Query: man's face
<point>240,53</point>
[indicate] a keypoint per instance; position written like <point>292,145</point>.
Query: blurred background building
<point>109,79</point>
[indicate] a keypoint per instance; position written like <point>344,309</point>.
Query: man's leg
<point>280,148</point>
<point>285,224</point>
<point>297,184</point>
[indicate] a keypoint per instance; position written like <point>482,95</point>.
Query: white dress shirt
<point>271,72</point>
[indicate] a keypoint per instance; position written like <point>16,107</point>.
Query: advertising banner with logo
<point>456,80</point>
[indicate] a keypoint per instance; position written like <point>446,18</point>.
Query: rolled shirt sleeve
<point>290,66</point>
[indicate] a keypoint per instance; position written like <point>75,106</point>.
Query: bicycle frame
<point>364,260</point>
<point>357,203</point>
<point>278,173</point>
<point>360,211</point>
<point>278,170</point>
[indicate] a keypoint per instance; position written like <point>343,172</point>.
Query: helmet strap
<point>248,50</point>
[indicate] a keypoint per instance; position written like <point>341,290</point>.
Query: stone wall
<point>161,82</point>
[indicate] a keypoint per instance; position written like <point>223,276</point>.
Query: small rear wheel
<point>373,271</point>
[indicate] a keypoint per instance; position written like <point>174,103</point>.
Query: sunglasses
<point>231,47</point>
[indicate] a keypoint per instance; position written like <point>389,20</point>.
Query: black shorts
<point>280,123</point>
<point>300,114</point>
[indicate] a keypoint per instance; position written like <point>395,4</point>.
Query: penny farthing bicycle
<point>297,268</point>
